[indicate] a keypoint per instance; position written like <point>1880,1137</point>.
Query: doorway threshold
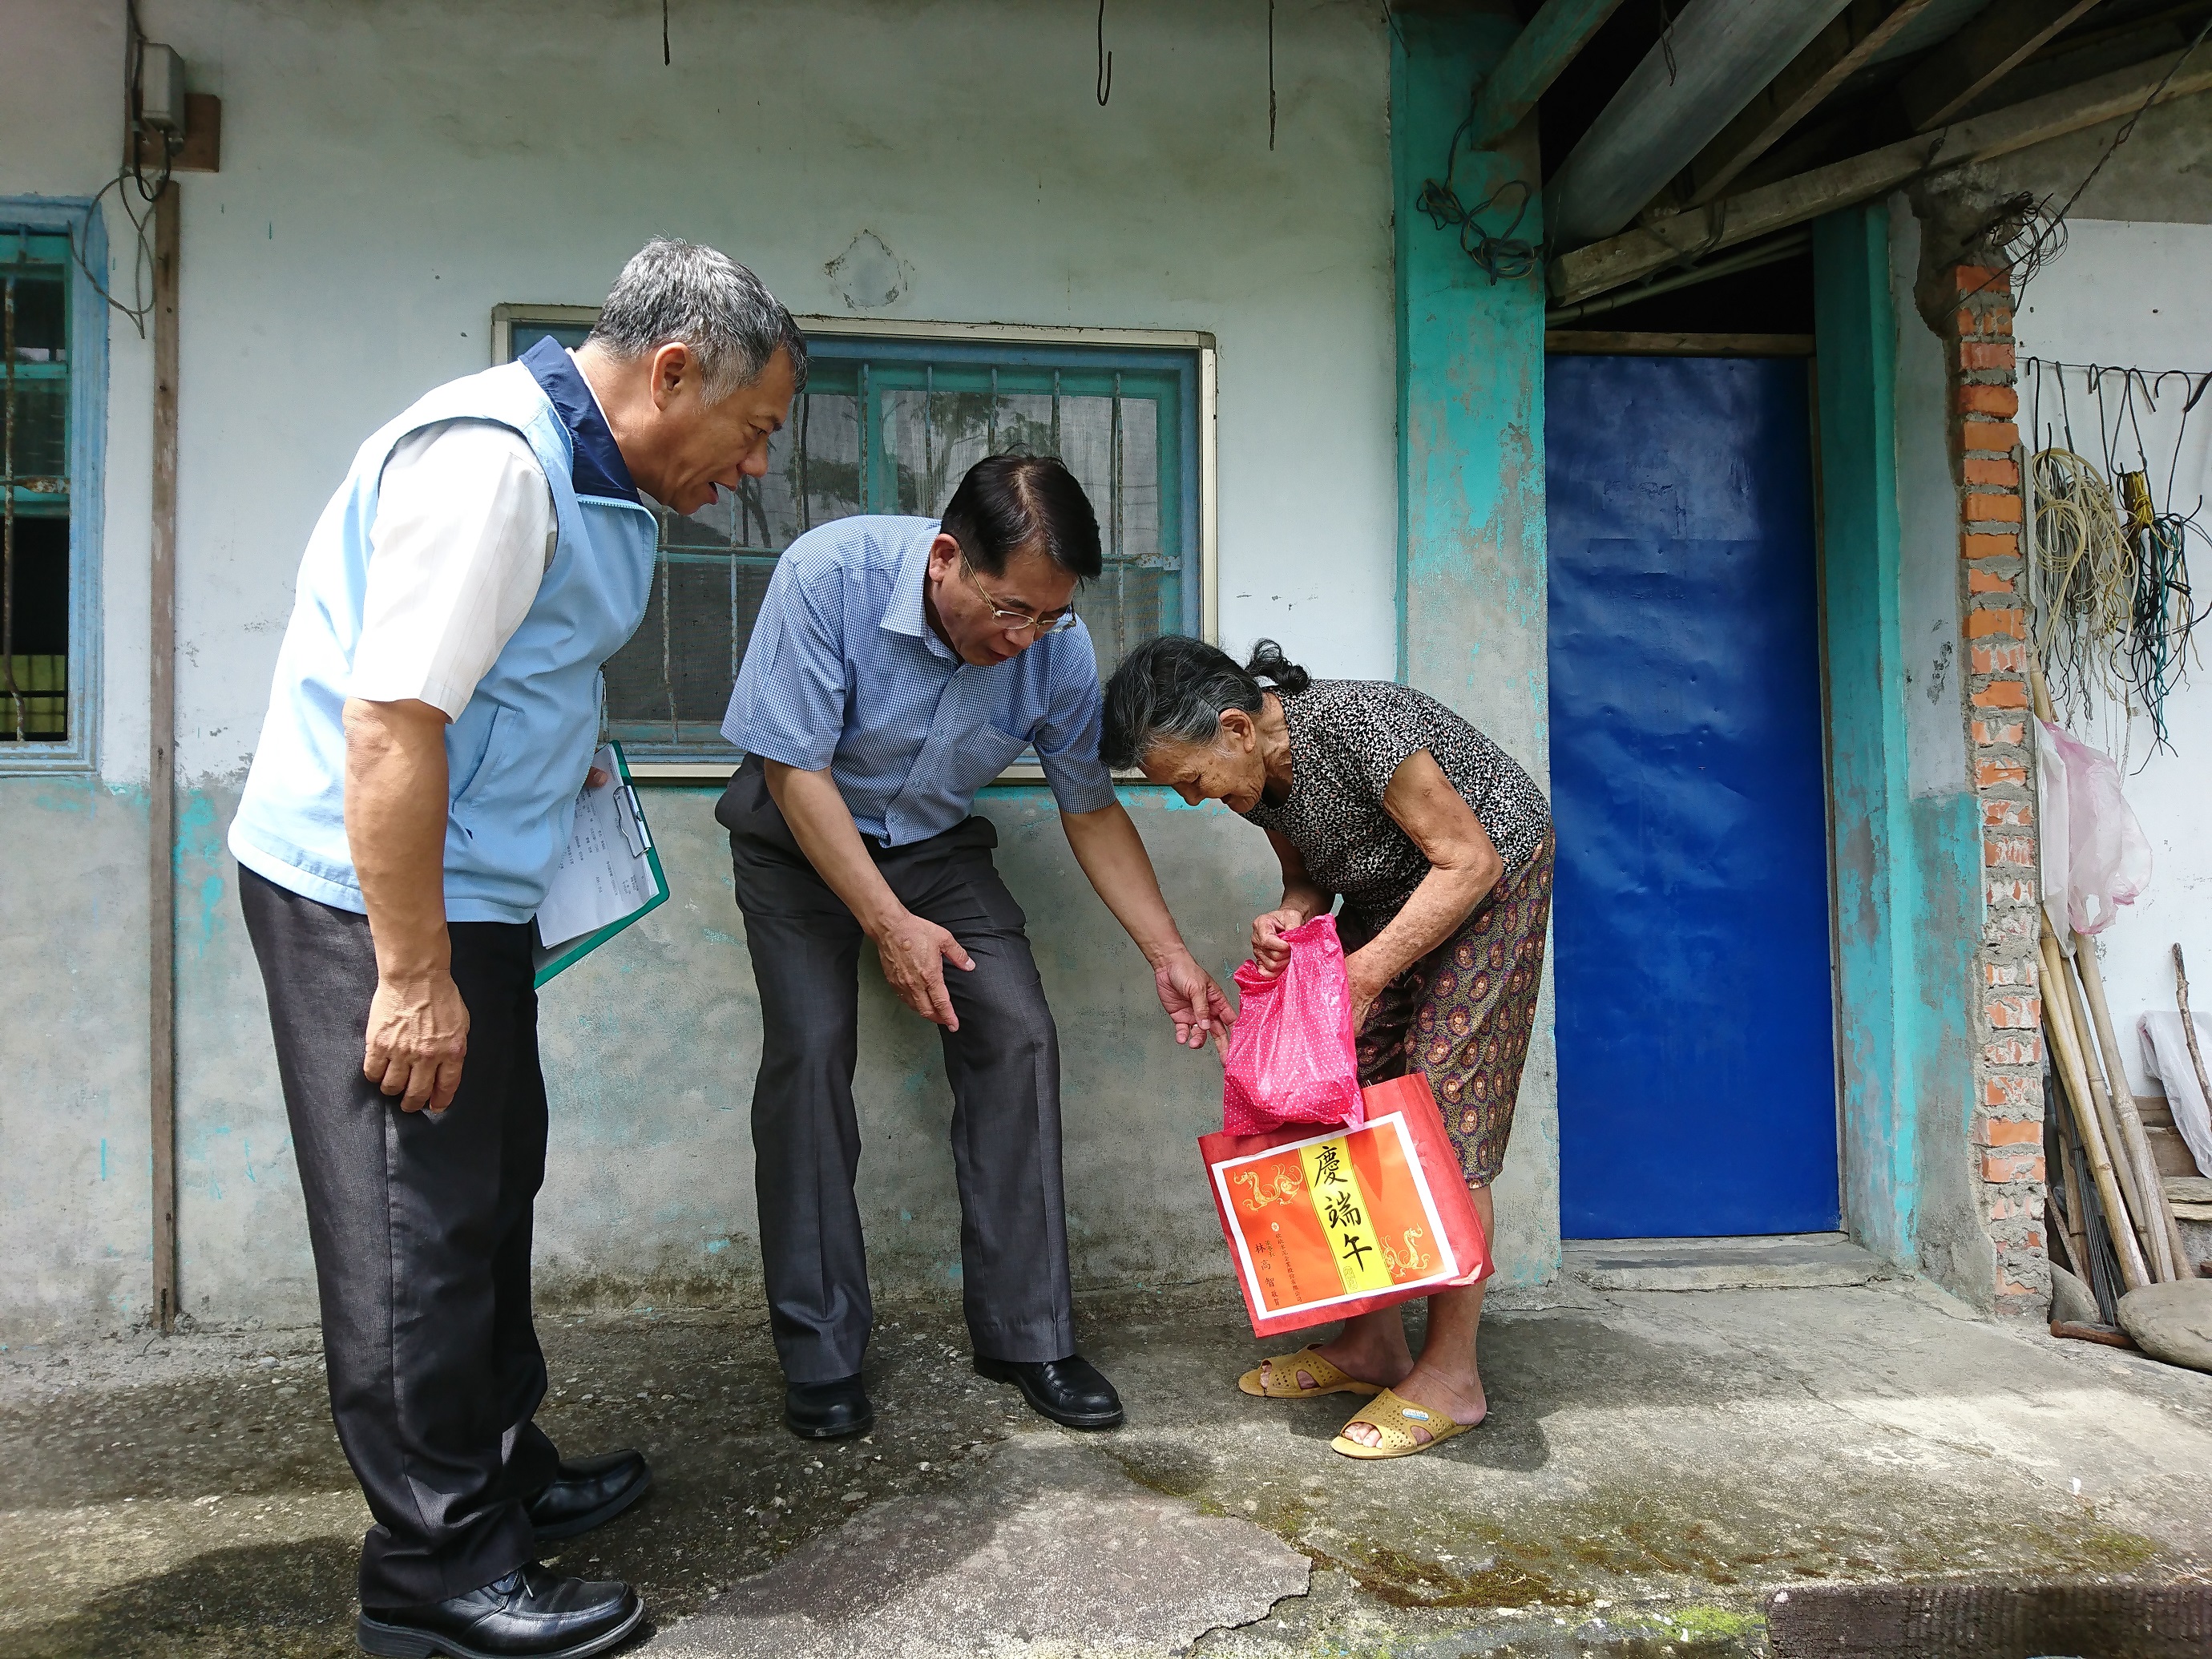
<point>1777,1261</point>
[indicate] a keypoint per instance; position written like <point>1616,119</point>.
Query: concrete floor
<point>1656,1462</point>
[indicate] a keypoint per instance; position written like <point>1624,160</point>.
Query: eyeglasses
<point>1016,621</point>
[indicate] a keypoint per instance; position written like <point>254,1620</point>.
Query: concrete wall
<point>392,171</point>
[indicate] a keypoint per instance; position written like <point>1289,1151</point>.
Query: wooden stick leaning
<point>2142,1213</point>
<point>2058,1031</point>
<point>2164,1227</point>
<point>2189,1023</point>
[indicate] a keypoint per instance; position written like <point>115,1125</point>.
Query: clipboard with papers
<point>610,876</point>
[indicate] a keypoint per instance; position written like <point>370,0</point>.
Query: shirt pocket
<point>983,757</point>
<point>468,752</point>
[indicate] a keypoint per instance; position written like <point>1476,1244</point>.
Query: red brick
<point>1979,279</point>
<point>1989,545</point>
<point>2022,972</point>
<point>1990,737</point>
<point>2002,694</point>
<point>1997,620</point>
<point>2000,850</point>
<point>1995,321</point>
<point>1981,354</point>
<point>1998,660</point>
<point>1991,772</point>
<point>2013,1013</point>
<point>1992,469</point>
<point>2007,1132</point>
<point>2014,1051</point>
<point>1999,437</point>
<point>1984,508</point>
<point>2011,1166</point>
<point>1980,580</point>
<point>1999,400</point>
<point>2012,1090</point>
<point>2009,892</point>
<point>1998,813</point>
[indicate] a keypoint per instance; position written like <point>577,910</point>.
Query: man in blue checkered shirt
<point>898,666</point>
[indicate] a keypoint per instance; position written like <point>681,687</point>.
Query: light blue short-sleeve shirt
<point>844,671</point>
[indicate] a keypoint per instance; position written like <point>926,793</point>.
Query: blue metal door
<point>1697,1070</point>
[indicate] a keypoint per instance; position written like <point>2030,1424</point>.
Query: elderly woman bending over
<point>1441,848</point>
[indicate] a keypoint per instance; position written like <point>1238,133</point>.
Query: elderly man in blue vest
<point>435,710</point>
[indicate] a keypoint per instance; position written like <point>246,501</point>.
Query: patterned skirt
<point>1463,1014</point>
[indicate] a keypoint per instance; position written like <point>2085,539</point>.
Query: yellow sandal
<point>1394,1419</point>
<point>1284,1370</point>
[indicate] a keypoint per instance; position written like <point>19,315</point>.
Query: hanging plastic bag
<point>2107,854</point>
<point>1291,1057</point>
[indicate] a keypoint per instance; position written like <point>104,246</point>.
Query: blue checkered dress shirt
<point>844,672</point>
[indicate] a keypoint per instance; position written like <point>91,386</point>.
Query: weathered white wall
<point>392,171</point>
<point>2131,293</point>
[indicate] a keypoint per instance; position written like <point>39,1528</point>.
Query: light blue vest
<point>516,757</point>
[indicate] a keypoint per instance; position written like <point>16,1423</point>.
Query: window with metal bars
<point>891,425</point>
<point>35,436</point>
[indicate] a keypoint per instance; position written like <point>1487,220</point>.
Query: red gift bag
<point>1291,1058</point>
<point>1326,1222</point>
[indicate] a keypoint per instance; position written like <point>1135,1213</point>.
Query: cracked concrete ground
<point>1655,1463</point>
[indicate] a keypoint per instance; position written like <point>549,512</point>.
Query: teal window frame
<point>1164,566</point>
<point>70,231</point>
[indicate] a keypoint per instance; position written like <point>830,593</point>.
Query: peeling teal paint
<point>1907,872</point>
<point>1856,336</point>
<point>1472,586</point>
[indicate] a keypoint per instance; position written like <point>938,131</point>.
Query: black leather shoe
<point>531,1614</point>
<point>588,1493</point>
<point>827,1411</point>
<point>1073,1392</point>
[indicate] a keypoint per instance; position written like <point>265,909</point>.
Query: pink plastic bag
<point>2093,849</point>
<point>1291,1057</point>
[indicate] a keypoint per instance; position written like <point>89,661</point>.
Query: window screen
<point>892,426</point>
<point>34,488</point>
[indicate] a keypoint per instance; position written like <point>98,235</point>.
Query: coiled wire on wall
<point>2110,583</point>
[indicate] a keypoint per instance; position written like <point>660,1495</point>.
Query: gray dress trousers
<point>1003,1064</point>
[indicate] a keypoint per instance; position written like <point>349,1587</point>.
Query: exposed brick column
<point>2009,1021</point>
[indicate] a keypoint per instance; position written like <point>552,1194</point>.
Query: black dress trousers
<point>1003,1064</point>
<point>421,1231</point>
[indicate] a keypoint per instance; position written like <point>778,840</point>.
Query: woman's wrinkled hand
<point>1360,978</point>
<point>1268,947</point>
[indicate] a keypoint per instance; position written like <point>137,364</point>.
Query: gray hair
<point>682,292</point>
<point>1175,690</point>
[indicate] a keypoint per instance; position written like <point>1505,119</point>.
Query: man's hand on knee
<point>418,1034</point>
<point>915,952</point>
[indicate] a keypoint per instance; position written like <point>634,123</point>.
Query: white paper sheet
<point>606,875</point>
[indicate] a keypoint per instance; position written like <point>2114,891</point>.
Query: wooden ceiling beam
<point>1546,46</point>
<point>1852,37</point>
<point>1979,54</point>
<point>1621,259</point>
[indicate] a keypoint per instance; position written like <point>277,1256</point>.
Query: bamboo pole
<point>2148,1234</point>
<point>2159,1214</point>
<point>2058,1031</point>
